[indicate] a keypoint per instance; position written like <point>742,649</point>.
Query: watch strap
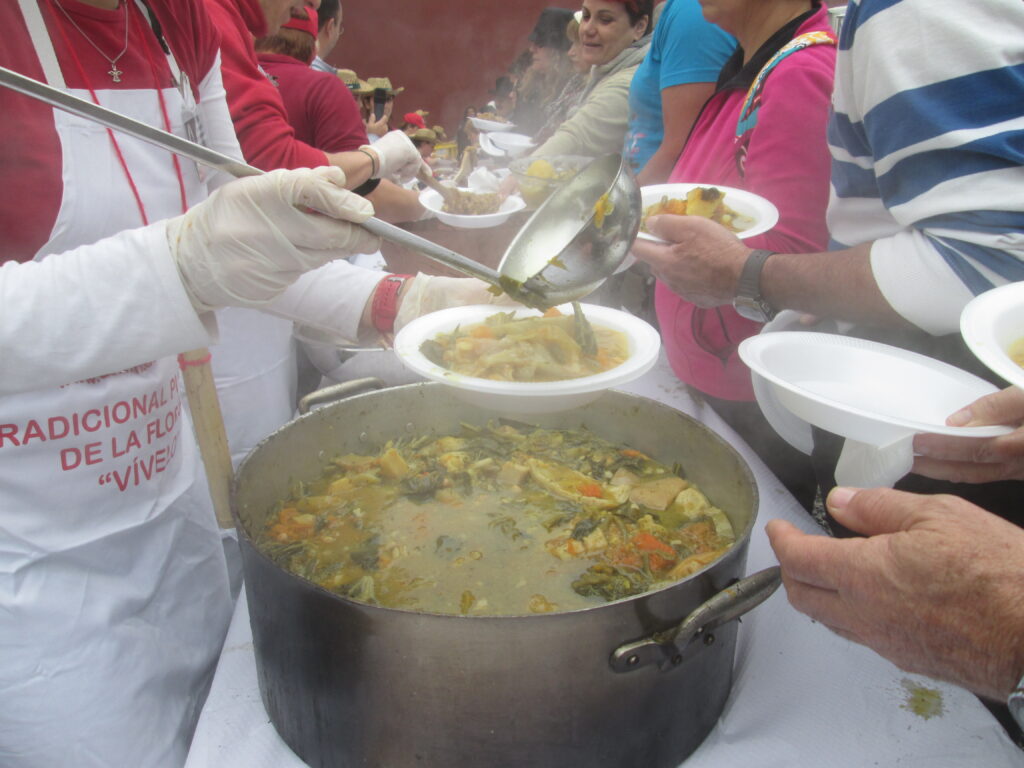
<point>748,288</point>
<point>1015,703</point>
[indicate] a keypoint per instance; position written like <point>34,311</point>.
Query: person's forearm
<point>358,166</point>
<point>110,305</point>
<point>395,204</point>
<point>836,284</point>
<point>680,105</point>
<point>661,164</point>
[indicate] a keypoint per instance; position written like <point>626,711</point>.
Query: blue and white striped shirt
<point>927,141</point>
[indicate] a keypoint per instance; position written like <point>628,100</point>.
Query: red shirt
<point>31,163</point>
<point>261,120</point>
<point>321,109</point>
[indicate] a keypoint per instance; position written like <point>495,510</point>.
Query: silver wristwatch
<point>1015,702</point>
<point>748,302</point>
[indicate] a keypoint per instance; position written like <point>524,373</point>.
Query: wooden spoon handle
<point>427,178</point>
<point>208,423</point>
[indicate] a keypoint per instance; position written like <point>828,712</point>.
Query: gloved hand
<point>429,293</point>
<point>399,159</point>
<point>252,238</point>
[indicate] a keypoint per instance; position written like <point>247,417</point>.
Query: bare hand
<point>703,262</point>
<point>380,127</point>
<point>936,589</point>
<point>977,459</point>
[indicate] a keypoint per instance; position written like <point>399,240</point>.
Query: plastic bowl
<point>536,189</point>
<point>990,324</point>
<point>761,214</point>
<point>513,397</point>
<point>431,200</point>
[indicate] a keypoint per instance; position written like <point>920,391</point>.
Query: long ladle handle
<point>439,253</point>
<point>206,156</point>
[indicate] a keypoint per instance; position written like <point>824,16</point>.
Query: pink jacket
<point>787,162</point>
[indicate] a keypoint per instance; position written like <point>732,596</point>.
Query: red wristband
<point>385,302</point>
<point>184,362</point>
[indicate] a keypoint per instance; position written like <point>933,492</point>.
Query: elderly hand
<point>703,262</point>
<point>977,459</point>
<point>429,293</point>
<point>253,237</point>
<point>399,160</point>
<point>936,589</point>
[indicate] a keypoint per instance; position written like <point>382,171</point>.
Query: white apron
<point>255,368</point>
<point>113,589</point>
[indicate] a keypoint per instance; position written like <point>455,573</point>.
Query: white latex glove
<point>429,293</point>
<point>400,161</point>
<point>251,238</point>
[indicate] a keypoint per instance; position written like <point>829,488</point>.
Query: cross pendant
<point>115,73</point>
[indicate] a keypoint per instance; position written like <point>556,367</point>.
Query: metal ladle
<point>557,257</point>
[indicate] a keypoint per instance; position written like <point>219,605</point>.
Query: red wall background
<point>446,54</point>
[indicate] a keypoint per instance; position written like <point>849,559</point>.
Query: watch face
<point>752,309</point>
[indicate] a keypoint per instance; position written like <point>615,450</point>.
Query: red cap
<point>415,118</point>
<point>307,25</point>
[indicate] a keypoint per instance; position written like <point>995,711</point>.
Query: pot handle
<point>670,648</point>
<point>339,392</point>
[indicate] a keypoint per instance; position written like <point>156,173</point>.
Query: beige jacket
<point>598,126</point>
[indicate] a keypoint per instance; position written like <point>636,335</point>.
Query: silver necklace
<point>114,72</point>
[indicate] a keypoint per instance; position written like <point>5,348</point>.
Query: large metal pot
<point>348,684</point>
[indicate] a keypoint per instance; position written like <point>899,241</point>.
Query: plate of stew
<point>741,212</point>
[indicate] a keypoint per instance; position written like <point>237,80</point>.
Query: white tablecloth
<point>802,696</point>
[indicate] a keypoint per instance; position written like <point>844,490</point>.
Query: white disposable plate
<point>489,147</point>
<point>761,213</point>
<point>990,324</point>
<point>431,200</point>
<point>483,124</point>
<point>513,144</point>
<point>528,397</point>
<point>863,390</point>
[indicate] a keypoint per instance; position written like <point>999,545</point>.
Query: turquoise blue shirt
<point>684,49</point>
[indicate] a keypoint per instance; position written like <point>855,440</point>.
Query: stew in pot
<point>503,519</point>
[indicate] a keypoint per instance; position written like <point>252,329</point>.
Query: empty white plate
<point>870,392</point>
<point>483,124</point>
<point>489,147</point>
<point>514,144</point>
